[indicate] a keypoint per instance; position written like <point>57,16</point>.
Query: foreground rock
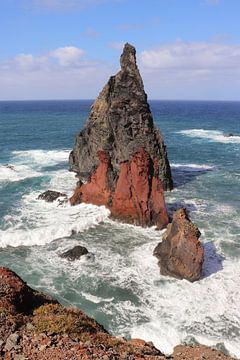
<point>51,195</point>
<point>75,253</point>
<point>120,152</point>
<point>180,253</point>
<point>35,326</point>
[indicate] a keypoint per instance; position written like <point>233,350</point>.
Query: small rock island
<point>120,156</point>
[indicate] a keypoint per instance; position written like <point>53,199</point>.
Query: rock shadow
<point>184,174</point>
<point>213,262</point>
<point>178,205</point>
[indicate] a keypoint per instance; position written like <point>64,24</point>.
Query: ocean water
<point>120,286</point>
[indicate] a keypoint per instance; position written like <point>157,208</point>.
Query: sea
<point>120,283</point>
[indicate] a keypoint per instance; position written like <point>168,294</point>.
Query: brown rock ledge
<point>33,326</point>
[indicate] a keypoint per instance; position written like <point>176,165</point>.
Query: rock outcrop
<point>74,253</point>
<point>35,326</point>
<point>121,154</point>
<point>51,195</point>
<point>180,253</point>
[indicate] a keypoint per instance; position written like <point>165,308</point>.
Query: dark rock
<point>120,123</point>
<point>229,135</point>
<point>11,167</point>
<point>51,195</point>
<point>75,253</point>
<point>180,253</point>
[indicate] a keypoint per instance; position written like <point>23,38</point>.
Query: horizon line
<point>74,99</point>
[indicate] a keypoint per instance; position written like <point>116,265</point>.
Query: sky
<point>67,49</point>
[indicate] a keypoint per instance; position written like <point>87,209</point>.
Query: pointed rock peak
<point>128,58</point>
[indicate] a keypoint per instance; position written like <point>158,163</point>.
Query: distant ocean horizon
<point>121,286</point>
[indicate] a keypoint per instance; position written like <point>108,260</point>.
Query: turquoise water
<point>121,285</point>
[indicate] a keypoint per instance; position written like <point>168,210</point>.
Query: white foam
<point>42,157</point>
<point>9,173</point>
<point>207,309</point>
<point>40,222</point>
<point>96,299</point>
<point>192,167</point>
<point>213,135</point>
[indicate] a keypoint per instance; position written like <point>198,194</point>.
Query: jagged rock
<point>75,253</point>
<point>138,195</point>
<point>120,122</point>
<point>51,195</point>
<point>180,253</point>
<point>119,136</point>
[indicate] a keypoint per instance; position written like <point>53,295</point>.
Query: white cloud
<point>64,72</point>
<point>192,56</point>
<point>192,70</point>
<point>68,55</point>
<point>180,70</point>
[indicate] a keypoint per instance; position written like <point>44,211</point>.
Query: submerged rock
<point>75,253</point>
<point>120,152</point>
<point>51,195</point>
<point>180,253</point>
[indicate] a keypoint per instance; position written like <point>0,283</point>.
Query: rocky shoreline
<point>34,326</point>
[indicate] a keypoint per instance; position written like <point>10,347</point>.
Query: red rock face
<point>97,190</point>
<point>180,253</point>
<point>137,196</point>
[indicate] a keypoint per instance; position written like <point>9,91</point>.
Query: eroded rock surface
<point>137,196</point>
<point>180,253</point>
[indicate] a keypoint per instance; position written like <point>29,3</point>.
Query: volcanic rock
<point>121,154</point>
<point>180,253</point>
<point>138,195</point>
<point>75,253</point>
<point>51,195</point>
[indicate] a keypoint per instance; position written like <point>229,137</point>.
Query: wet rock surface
<point>180,253</point>
<point>51,195</point>
<point>75,253</point>
<point>35,326</point>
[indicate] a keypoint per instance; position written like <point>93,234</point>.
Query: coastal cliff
<point>35,326</point>
<point>121,154</point>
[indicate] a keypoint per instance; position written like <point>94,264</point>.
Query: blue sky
<point>63,49</point>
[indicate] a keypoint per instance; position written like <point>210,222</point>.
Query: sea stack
<point>180,253</point>
<point>120,156</point>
